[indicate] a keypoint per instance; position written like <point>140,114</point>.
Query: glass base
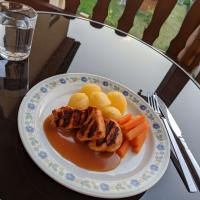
<point>14,56</point>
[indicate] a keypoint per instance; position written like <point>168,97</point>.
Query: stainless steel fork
<point>153,102</point>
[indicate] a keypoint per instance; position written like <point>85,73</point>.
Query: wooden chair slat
<point>195,63</point>
<point>161,12</point>
<point>191,50</point>
<point>126,21</point>
<point>100,11</point>
<point>72,5</point>
<point>190,23</point>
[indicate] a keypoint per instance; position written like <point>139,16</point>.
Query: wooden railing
<point>191,56</point>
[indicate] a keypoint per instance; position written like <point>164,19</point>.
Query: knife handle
<point>184,167</point>
<point>190,157</point>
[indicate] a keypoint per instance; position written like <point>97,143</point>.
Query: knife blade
<point>195,167</point>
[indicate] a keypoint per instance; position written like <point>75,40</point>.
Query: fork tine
<point>148,98</point>
<point>152,101</point>
<point>156,102</point>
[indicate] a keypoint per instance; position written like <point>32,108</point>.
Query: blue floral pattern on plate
<point>42,155</point>
<point>143,107</point>
<point>135,183</point>
<point>70,176</point>
<point>29,129</point>
<point>43,89</point>
<point>104,187</point>
<point>156,125</point>
<point>154,167</point>
<point>31,106</point>
<point>62,80</point>
<point>160,147</point>
<point>105,83</point>
<point>84,79</point>
<point>125,93</point>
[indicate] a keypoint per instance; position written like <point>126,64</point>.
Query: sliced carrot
<point>137,130</point>
<point>134,122</point>
<point>125,118</point>
<point>124,148</point>
<point>125,131</point>
<point>139,139</point>
<point>137,148</point>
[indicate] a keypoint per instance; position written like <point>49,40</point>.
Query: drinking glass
<point>17,24</point>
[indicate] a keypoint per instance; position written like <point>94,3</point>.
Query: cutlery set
<point>182,156</point>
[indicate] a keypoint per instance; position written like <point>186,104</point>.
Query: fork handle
<point>188,177</point>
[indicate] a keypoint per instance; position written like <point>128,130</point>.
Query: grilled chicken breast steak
<point>68,118</point>
<point>113,139</point>
<point>101,134</point>
<point>94,127</point>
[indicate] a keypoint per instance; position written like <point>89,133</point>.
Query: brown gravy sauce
<point>78,152</point>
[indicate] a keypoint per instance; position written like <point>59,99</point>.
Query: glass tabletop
<point>67,44</point>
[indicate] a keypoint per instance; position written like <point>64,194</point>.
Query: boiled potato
<point>79,100</point>
<point>99,99</point>
<point>89,88</point>
<point>118,101</point>
<point>111,112</point>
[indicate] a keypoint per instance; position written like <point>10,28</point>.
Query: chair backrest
<point>162,11</point>
<point>163,8</point>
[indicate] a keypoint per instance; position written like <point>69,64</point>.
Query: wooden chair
<point>189,49</point>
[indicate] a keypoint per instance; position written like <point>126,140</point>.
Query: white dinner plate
<point>136,173</point>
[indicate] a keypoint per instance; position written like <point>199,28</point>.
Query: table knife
<point>186,172</point>
<point>177,131</point>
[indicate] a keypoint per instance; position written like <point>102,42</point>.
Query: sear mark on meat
<point>100,142</point>
<point>77,117</point>
<point>59,117</point>
<point>84,127</point>
<point>109,126</point>
<point>92,130</point>
<point>112,138</point>
<point>67,117</point>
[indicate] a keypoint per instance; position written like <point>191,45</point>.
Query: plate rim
<point>69,185</point>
